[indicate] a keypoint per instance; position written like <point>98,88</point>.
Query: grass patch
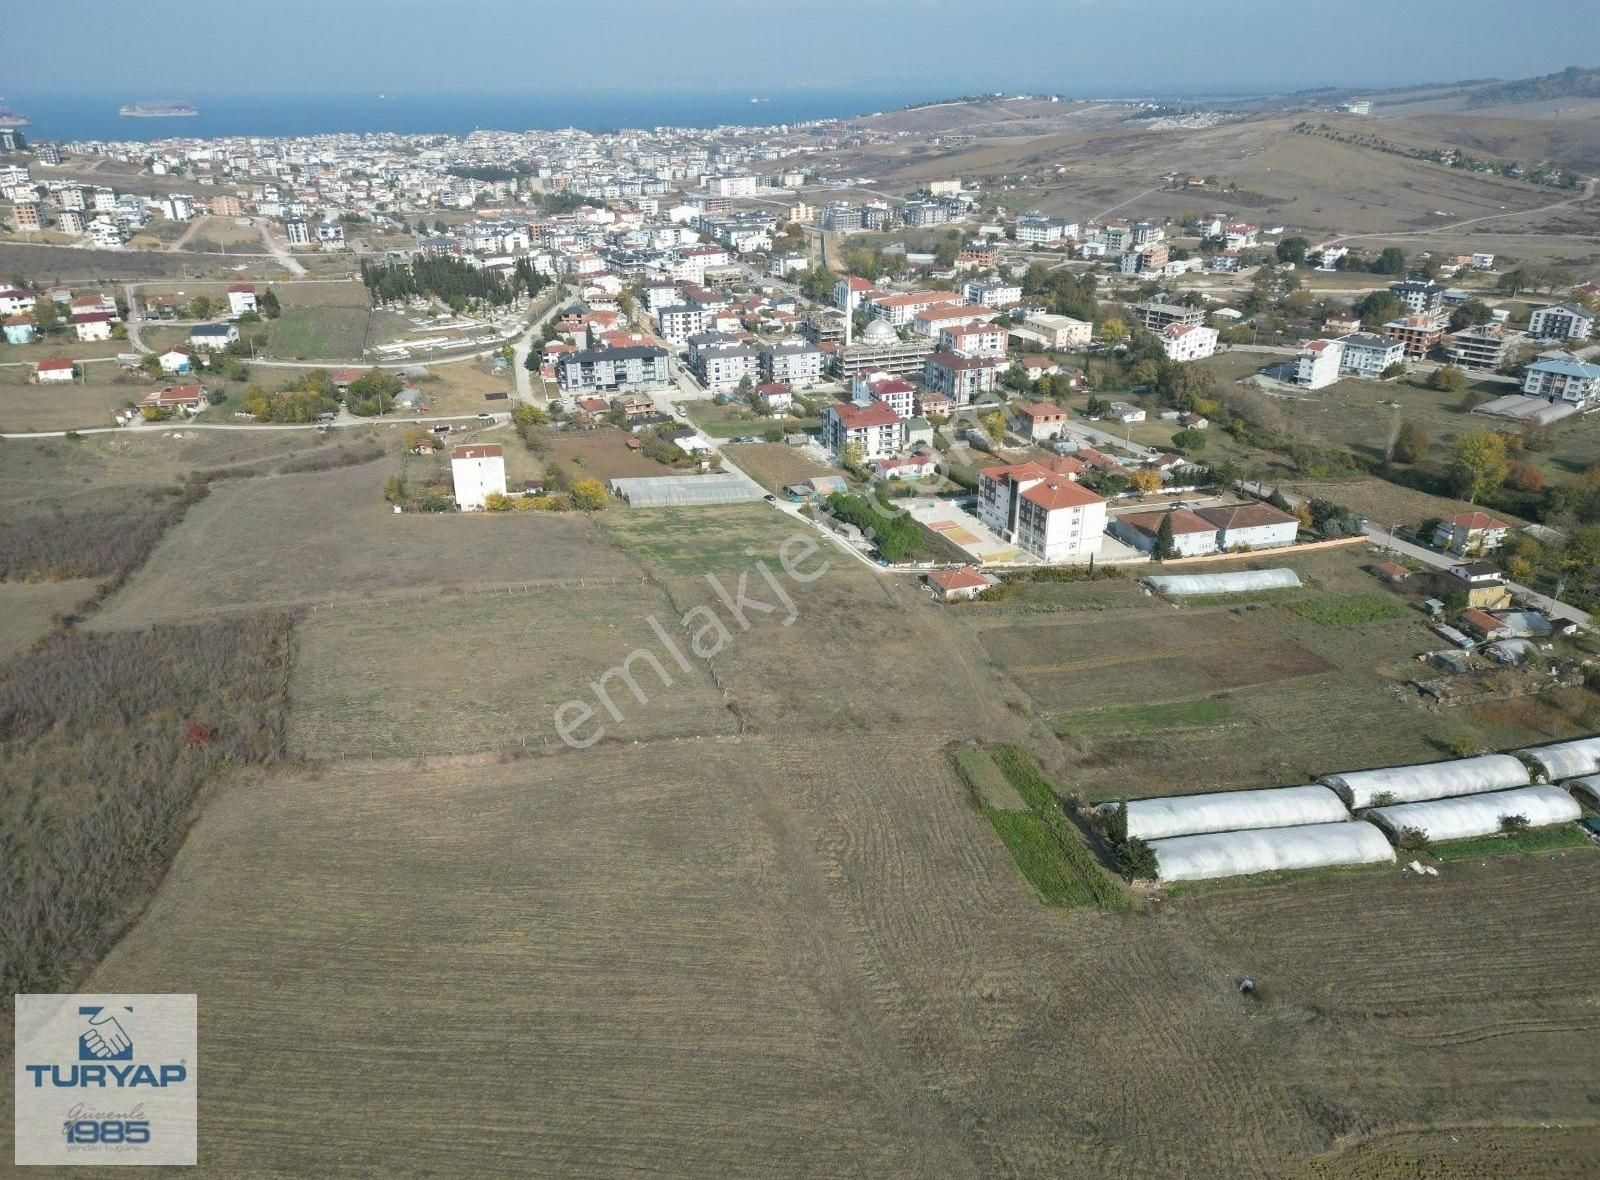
<point>1048,848</point>
<point>320,333</point>
<point>1537,840</point>
<point>989,786</point>
<point>1348,610</point>
<point>1143,719</point>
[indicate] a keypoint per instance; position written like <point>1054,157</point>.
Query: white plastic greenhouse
<point>1566,759</point>
<point>1478,815</point>
<point>660,491</point>
<point>1431,780</point>
<point>1235,583</point>
<point>1237,854</point>
<point>1227,811</point>
<point>1587,790</point>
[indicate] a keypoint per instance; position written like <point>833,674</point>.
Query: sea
<point>67,117</point>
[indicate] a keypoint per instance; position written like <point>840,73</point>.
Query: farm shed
<point>1565,759</point>
<point>1478,815</point>
<point>1238,854</point>
<point>1226,811</point>
<point>1587,790</point>
<point>672,491</point>
<point>1431,780</point>
<point>1235,583</point>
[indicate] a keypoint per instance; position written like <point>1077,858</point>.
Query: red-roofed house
<point>1192,536</point>
<point>93,325</point>
<point>898,395</point>
<point>478,470</point>
<point>1470,534</point>
<point>906,466</point>
<point>1188,342</point>
<point>56,368</point>
<point>874,428</point>
<point>241,298</point>
<point>190,399</point>
<point>1043,512</point>
<point>962,582</point>
<point>775,396</point>
<point>961,378</point>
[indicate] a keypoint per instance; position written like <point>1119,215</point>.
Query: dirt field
<point>776,465</point>
<point>601,454</point>
<point>483,672</point>
<point>26,609</point>
<point>25,407</point>
<point>329,537</point>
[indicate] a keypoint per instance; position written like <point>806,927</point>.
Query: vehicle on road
<point>770,498</point>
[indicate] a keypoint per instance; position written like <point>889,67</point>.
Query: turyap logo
<point>105,1039</point>
<point>106,1079</point>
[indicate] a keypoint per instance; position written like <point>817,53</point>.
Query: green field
<point>1047,847</point>
<point>991,788</point>
<point>319,333</point>
<point>679,542</point>
<point>1558,838</point>
<point>1349,610</point>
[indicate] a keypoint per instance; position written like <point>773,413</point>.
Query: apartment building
<point>874,429</point>
<point>1563,321</point>
<point>1419,334</point>
<point>721,362</point>
<point>1188,342</point>
<point>1369,355</point>
<point>1154,317</point>
<point>1318,364</point>
<point>1486,346</point>
<point>1060,331</point>
<point>793,362</point>
<point>1420,298</point>
<point>1562,377</point>
<point>901,310</point>
<point>1043,512</point>
<point>611,370</point>
<point>961,378</point>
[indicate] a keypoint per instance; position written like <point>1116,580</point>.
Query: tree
<point>1113,328</point>
<point>1136,860</point>
<point>1414,840</point>
<point>1146,479</point>
<point>199,307</point>
<point>1513,825</point>
<point>1190,442</point>
<point>589,494</point>
<point>1391,262</point>
<point>1293,250</point>
<point>1525,477</point>
<point>994,425</point>
<point>269,304</point>
<point>1447,379</point>
<point>44,315</point>
<point>1166,547</point>
<point>497,502</point>
<point>1412,443</point>
<point>1379,308</point>
<point>1478,464</point>
<point>1470,314</point>
<point>1395,370</point>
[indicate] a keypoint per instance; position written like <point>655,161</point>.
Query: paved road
<point>523,391</point>
<point>344,420</point>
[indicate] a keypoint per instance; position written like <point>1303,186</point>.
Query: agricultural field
<point>737,420</point>
<point>599,454</point>
<point>329,537</point>
<point>319,333</point>
<point>483,672</point>
<point>28,407</point>
<point>688,542</point>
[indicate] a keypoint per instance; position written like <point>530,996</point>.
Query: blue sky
<point>201,47</point>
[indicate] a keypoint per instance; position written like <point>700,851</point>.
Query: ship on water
<point>10,120</point>
<point>157,110</point>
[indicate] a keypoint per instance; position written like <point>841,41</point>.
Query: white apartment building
<point>873,428</point>
<point>794,362</point>
<point>1060,331</point>
<point>1563,378</point>
<point>1563,321</point>
<point>733,186</point>
<point>1042,512</point>
<point>1366,354</point>
<point>1188,342</point>
<point>992,293</point>
<point>477,471</point>
<point>1318,364</point>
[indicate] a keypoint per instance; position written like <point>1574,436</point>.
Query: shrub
<point>1414,840</point>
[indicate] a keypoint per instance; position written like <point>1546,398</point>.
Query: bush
<point>1414,840</point>
<point>1137,860</point>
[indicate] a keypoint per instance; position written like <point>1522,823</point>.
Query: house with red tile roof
<point>1470,533</point>
<point>1044,512</point>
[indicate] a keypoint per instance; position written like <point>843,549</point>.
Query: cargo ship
<point>10,119</point>
<point>156,110</point>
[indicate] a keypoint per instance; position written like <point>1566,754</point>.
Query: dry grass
<point>777,465</point>
<point>327,537</point>
<point>28,608</point>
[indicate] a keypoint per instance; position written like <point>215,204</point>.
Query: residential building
<point>1483,347</point>
<point>733,186</point>
<point>1563,321</point>
<point>241,298</point>
<point>1038,421</point>
<point>878,386</point>
<point>93,325</point>
<point>913,466</point>
<point>188,399</point>
<point>973,339</point>
<point>1192,534</point>
<point>478,471</point>
<point>681,321</point>
<point>1188,342</point>
<point>1035,229</point>
<point>963,582</point>
<point>176,360</point>
<point>610,370</point>
<point>70,221</point>
<point>776,397</point>
<point>992,293</point>
<point>1482,583</point>
<point>1563,378</point>
<point>874,430</point>
<point>961,378</point>
<point>1419,297</point>
<point>796,362</point>
<point>1418,334</point>
<point>1043,512</point>
<point>16,300</point>
<point>1368,355</point>
<point>721,362</point>
<point>1470,534</point>
<point>900,310</point>
<point>330,234</point>
<point>1256,525</point>
<point>1155,316</point>
<point>1318,363</point>
<point>297,231</point>
<point>56,368</point>
<point>212,337</point>
<point>27,216</point>
<point>19,329</point>
<point>850,292</point>
<point>932,320</point>
<point>1061,331</point>
<point>1126,412</point>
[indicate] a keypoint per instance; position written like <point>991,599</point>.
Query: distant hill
<point>1572,82</point>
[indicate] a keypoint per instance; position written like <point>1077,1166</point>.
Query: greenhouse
<point>1238,854</point>
<point>1431,780</point>
<point>1587,790</point>
<point>690,491</point>
<point>1236,583</point>
<point>1226,811</point>
<point>1566,759</point>
<point>1478,815</point>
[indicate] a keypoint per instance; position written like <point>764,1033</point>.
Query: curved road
<point>1588,191</point>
